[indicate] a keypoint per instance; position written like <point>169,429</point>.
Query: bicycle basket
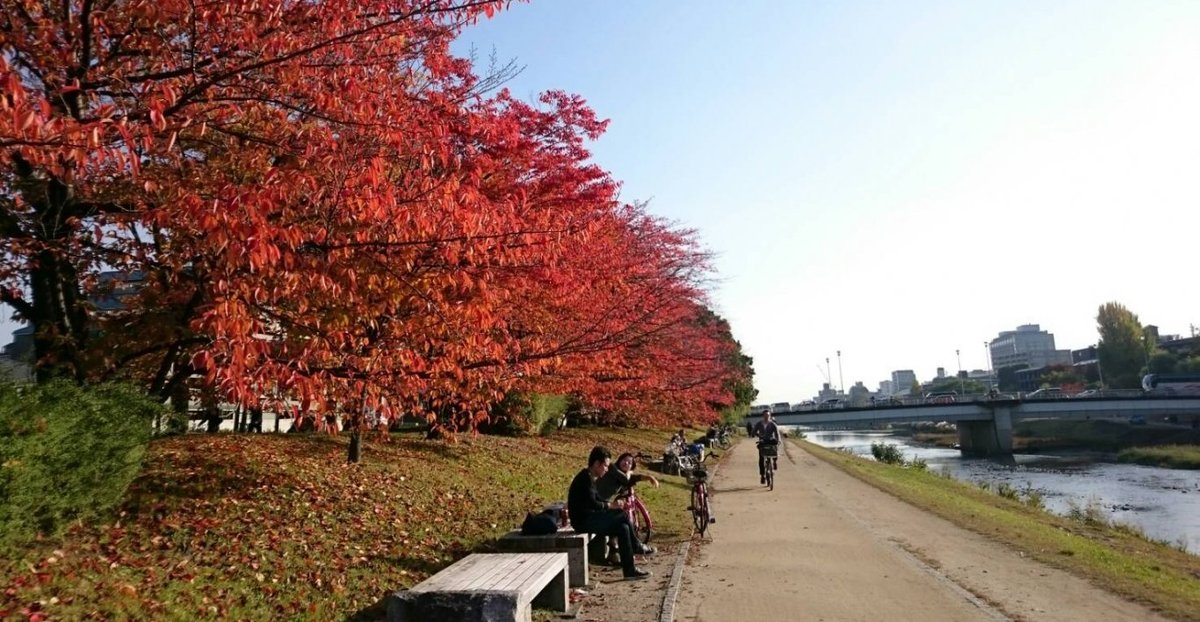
<point>770,450</point>
<point>699,474</point>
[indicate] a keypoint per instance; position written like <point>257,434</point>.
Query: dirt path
<point>825,546</point>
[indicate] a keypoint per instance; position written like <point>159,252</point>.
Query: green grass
<point>1117,559</point>
<point>1056,434</point>
<point>231,527</point>
<point>1170,456</point>
<point>1101,434</point>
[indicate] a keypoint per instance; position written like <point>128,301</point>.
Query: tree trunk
<point>214,420</point>
<point>355,453</point>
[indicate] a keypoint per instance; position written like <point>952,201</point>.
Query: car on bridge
<point>1048,393</point>
<point>832,403</point>
<point>941,398</point>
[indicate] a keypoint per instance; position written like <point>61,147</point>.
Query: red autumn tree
<point>319,203</point>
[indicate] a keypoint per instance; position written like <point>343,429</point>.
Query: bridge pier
<point>989,437</point>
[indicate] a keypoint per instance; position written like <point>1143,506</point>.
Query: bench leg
<point>577,563</point>
<point>556,596</point>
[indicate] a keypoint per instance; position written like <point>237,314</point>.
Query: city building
<point>827,392</point>
<point>1179,346</point>
<point>859,394</point>
<point>902,381</point>
<point>16,358</point>
<point>1029,345</point>
<point>886,388</point>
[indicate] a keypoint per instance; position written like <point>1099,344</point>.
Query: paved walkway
<point>787,554</point>
<point>825,546</point>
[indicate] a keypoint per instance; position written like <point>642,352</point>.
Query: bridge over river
<point>985,423</point>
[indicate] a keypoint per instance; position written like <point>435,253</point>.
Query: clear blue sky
<point>896,180</point>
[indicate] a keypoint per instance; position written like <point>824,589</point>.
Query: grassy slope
<point>278,527</point>
<point>1100,434</point>
<point>1113,558</point>
<point>1169,456</point>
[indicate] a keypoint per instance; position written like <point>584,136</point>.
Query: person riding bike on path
<point>767,433</point>
<point>591,514</point>
<point>614,481</point>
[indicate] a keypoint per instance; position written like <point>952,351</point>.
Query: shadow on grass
<point>376,612</point>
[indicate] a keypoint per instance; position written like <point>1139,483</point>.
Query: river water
<point>1163,503</point>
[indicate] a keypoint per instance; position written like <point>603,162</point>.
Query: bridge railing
<point>901,401</point>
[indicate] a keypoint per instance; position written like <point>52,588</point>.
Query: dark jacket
<point>608,486</point>
<point>583,500</point>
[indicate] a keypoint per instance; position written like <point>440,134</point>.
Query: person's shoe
<point>647,550</point>
<point>637,574</point>
<point>613,560</point>
<point>762,479</point>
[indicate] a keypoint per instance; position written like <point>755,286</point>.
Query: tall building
<point>1029,345</point>
<point>902,381</point>
<point>886,387</point>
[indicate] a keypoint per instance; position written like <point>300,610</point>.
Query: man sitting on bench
<point>590,513</point>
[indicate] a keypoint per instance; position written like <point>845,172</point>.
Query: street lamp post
<point>987,358</point>
<point>958,357</point>
<point>828,374</point>
<point>841,380</point>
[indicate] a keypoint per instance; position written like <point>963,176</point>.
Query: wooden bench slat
<point>517,579</point>
<point>534,575</point>
<point>485,574</point>
<point>486,585</point>
<point>487,580</point>
<point>460,573</point>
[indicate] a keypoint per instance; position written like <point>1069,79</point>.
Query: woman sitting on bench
<point>590,513</point>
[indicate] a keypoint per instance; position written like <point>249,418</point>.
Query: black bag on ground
<point>538,525</point>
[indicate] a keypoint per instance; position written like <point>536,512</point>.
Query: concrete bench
<point>486,587</point>
<point>567,540</point>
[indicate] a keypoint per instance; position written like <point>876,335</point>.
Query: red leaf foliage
<point>320,204</point>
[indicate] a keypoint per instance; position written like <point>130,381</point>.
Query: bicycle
<point>639,515</point>
<point>769,452</point>
<point>701,510</point>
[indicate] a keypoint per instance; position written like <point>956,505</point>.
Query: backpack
<point>538,525</point>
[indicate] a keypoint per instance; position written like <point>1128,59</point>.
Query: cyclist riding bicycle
<point>767,433</point>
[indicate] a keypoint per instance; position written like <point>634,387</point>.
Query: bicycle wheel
<point>642,527</point>
<point>699,508</point>
<point>770,476</point>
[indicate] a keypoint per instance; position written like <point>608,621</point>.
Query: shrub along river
<point>1163,503</point>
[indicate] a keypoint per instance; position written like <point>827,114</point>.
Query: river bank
<point>277,526</point>
<point>1168,456</point>
<point>1102,435</point>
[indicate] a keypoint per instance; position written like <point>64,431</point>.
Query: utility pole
<point>987,358</point>
<point>828,373</point>
<point>841,381</point>
<point>958,357</point>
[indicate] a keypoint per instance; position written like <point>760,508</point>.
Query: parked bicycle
<point>638,513</point>
<point>725,438</point>
<point>701,508</point>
